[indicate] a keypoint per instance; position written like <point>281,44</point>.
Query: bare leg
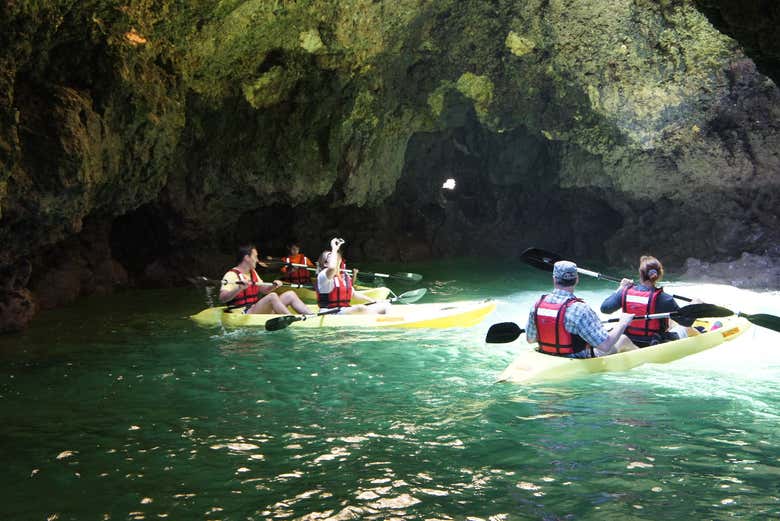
<point>289,298</point>
<point>379,308</point>
<point>271,303</point>
<point>624,344</point>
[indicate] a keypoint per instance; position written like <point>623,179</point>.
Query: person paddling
<point>646,298</point>
<point>335,287</point>
<point>296,274</point>
<point>241,289</point>
<point>564,325</point>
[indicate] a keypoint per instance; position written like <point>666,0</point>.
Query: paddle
<point>544,260</point>
<point>201,281</point>
<point>762,319</point>
<point>410,277</point>
<point>692,311</point>
<point>275,324</point>
<point>505,332</point>
<point>695,311</point>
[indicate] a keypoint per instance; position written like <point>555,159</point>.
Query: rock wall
<point>163,133</point>
<point>755,25</point>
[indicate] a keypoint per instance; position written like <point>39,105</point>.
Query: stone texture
<point>138,136</point>
<point>755,25</point>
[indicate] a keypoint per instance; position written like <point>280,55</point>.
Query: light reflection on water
<point>144,416</point>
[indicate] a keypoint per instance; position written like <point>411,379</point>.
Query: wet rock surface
<point>138,139</point>
<point>749,271</point>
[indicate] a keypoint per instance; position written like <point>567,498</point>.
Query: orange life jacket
<point>551,332</point>
<point>341,294</point>
<point>641,302</point>
<point>296,275</point>
<point>247,296</point>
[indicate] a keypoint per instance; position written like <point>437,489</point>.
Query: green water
<point>120,408</point>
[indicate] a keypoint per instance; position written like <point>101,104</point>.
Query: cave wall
<point>601,129</point>
<point>755,25</point>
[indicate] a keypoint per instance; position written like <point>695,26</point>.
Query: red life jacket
<point>249,295</point>
<point>339,296</point>
<point>551,332</point>
<point>296,275</point>
<point>641,302</point>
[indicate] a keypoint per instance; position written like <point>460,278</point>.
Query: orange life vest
<point>551,332</point>
<point>640,302</point>
<point>247,296</point>
<point>341,294</point>
<point>296,275</point>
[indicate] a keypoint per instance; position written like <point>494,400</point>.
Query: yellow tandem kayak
<point>532,366</point>
<point>442,315</point>
<point>213,316</point>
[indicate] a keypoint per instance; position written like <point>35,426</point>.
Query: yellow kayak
<point>443,315</point>
<point>532,366</point>
<point>213,316</point>
<point>309,296</point>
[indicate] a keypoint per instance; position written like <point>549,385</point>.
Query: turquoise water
<point>121,408</point>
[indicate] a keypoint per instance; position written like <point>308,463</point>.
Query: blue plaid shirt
<point>580,320</point>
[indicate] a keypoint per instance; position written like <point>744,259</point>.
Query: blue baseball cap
<point>564,270</point>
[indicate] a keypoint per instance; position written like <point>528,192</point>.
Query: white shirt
<point>324,284</point>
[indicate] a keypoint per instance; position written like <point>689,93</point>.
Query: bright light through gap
<point>449,184</point>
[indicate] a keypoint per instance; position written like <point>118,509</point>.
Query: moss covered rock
<point>651,124</point>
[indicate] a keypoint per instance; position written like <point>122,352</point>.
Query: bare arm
<point>332,267</point>
<point>232,287</point>
<point>614,335</point>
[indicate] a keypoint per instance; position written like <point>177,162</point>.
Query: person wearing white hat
<point>564,325</point>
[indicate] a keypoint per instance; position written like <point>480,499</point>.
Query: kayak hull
<point>439,316</point>
<point>213,316</point>
<point>531,366</point>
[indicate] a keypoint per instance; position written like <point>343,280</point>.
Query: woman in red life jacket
<point>335,287</point>
<point>243,289</point>
<point>564,325</point>
<point>296,274</point>
<point>646,298</point>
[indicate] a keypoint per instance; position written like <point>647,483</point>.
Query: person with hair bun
<point>564,325</point>
<point>646,298</point>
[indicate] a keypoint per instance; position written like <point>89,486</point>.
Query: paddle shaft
<point>282,322</point>
<point>244,283</point>
<point>348,272</point>
<point>549,259</point>
<point>644,317</point>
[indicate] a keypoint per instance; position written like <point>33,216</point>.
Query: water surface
<point>121,408</point>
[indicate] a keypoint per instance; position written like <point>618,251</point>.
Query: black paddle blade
<point>762,319</point>
<point>703,311</point>
<point>275,324</point>
<point>503,332</point>
<point>541,259</point>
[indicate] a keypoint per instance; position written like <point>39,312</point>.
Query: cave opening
<point>468,190</point>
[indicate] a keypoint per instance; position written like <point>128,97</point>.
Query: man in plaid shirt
<point>580,320</point>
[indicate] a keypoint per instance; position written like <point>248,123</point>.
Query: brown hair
<point>243,251</point>
<point>650,269</point>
